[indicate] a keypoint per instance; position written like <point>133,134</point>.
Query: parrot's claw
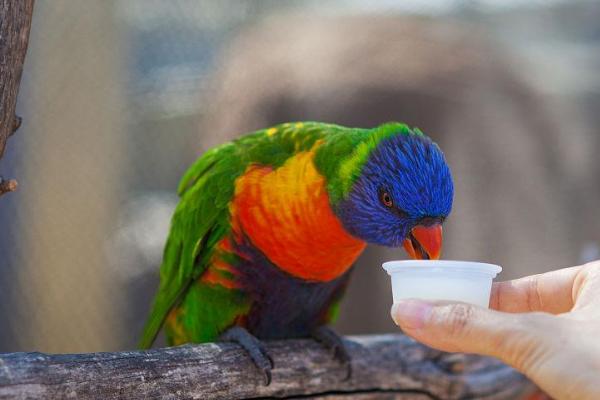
<point>331,340</point>
<point>254,347</point>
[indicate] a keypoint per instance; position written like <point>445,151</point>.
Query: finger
<point>551,292</point>
<point>586,288</point>
<point>514,338</point>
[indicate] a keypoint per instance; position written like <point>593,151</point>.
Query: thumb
<point>520,340</point>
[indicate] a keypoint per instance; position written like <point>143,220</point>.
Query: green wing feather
<point>199,222</point>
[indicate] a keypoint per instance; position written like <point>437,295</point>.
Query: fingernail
<point>411,314</point>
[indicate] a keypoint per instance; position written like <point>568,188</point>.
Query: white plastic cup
<point>467,281</point>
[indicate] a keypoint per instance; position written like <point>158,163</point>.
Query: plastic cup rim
<point>447,265</point>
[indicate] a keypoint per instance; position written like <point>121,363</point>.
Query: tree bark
<point>384,366</point>
<point>15,22</point>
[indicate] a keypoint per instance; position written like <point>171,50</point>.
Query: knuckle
<point>534,298</point>
<point>586,280</point>
<point>457,319</point>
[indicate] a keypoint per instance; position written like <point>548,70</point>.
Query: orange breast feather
<point>285,212</point>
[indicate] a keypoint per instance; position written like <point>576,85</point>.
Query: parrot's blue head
<point>401,194</point>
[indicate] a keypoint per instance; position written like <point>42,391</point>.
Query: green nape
<point>343,155</point>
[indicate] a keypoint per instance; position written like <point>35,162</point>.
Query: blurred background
<point>118,98</point>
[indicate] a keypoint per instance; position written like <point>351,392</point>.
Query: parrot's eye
<point>386,199</point>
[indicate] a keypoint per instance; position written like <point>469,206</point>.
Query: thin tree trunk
<point>15,22</point>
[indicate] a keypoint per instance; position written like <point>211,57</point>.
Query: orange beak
<point>424,242</point>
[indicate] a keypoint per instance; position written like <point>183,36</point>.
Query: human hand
<point>547,326</point>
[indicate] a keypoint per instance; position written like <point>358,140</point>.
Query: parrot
<point>268,227</point>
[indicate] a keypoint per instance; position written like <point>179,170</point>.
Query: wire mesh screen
<point>118,98</point>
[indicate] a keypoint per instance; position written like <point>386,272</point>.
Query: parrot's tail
<point>163,303</point>
<point>153,326</point>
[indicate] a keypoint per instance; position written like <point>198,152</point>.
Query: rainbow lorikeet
<point>268,226</point>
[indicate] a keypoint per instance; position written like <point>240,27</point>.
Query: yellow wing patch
<point>271,131</point>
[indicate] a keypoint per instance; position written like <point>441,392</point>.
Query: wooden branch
<point>9,185</point>
<point>385,366</point>
<point>15,22</point>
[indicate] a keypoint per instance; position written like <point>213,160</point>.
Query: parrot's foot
<point>254,347</point>
<point>331,340</point>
